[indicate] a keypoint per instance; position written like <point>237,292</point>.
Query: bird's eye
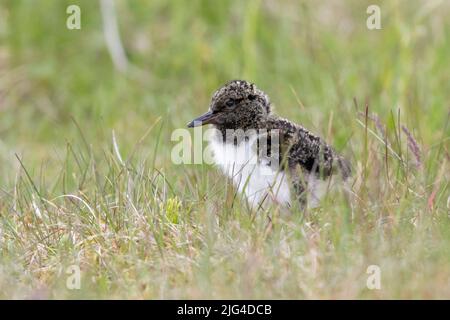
<point>229,102</point>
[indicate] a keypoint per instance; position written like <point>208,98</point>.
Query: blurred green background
<point>61,97</point>
<point>312,58</point>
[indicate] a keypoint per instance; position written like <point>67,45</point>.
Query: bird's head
<point>236,105</point>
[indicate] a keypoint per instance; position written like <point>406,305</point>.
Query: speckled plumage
<point>302,155</point>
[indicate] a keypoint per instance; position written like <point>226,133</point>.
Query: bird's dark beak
<point>206,118</point>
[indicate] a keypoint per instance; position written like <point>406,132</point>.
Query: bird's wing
<point>303,151</point>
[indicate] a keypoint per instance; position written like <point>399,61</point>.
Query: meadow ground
<point>87,181</point>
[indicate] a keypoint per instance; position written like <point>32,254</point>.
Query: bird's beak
<point>205,118</point>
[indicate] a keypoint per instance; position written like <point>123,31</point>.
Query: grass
<point>86,175</point>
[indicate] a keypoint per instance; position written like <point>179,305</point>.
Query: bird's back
<point>300,148</point>
<point>312,163</point>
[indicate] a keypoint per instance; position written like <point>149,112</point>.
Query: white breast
<point>252,176</point>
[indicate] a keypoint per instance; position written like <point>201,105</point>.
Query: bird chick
<point>269,158</point>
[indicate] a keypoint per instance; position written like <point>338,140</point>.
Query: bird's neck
<point>236,134</point>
